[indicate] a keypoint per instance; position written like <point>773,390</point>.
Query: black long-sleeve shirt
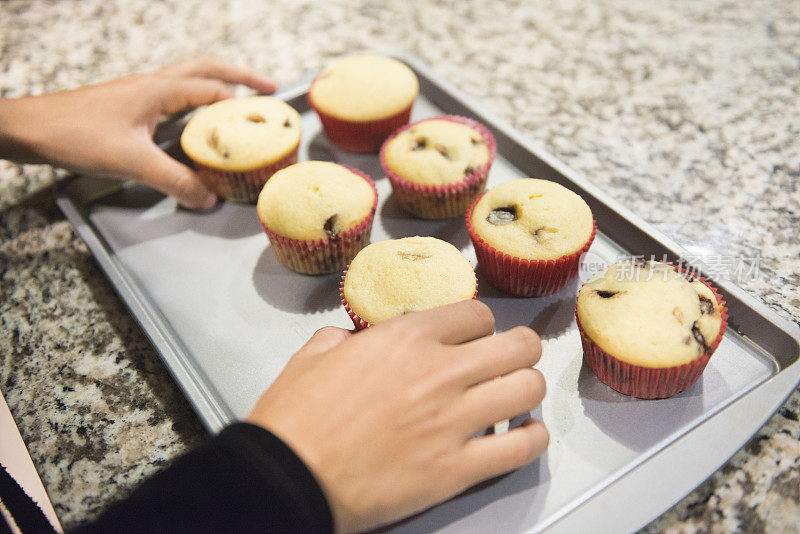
<point>243,480</point>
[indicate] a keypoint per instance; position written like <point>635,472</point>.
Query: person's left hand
<point>107,129</point>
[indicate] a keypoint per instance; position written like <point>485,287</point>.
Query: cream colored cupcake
<point>648,329</point>
<point>362,99</point>
<point>399,276</point>
<point>529,235</point>
<point>317,215</point>
<point>533,219</point>
<point>237,144</point>
<point>437,166</point>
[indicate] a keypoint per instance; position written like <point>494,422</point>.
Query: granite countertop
<point>687,113</point>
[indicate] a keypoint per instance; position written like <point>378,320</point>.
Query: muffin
<point>237,144</point>
<point>317,215</point>
<point>529,235</point>
<point>648,329</point>
<point>438,166</point>
<point>399,276</point>
<point>360,100</point>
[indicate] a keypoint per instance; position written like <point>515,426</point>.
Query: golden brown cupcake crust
<point>364,88</point>
<point>242,134</point>
<point>533,219</point>
<point>436,152</point>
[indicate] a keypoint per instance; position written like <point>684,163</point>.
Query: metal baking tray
<point>225,317</point>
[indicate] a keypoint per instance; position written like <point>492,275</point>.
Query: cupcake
<point>237,144</point>
<point>317,215</point>
<point>648,329</point>
<point>399,276</point>
<point>438,166</point>
<point>529,235</point>
<point>360,100</point>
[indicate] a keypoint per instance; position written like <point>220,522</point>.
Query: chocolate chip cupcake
<point>529,235</point>
<point>317,215</point>
<point>399,276</point>
<point>438,166</point>
<point>648,329</point>
<point>237,144</point>
<point>360,100</point>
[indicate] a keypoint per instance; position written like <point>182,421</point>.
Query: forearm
<point>20,129</point>
<point>243,480</point>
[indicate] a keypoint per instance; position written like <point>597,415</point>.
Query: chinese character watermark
<point>738,269</point>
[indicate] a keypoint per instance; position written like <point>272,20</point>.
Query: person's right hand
<point>385,418</point>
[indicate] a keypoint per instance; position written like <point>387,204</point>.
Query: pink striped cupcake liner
<point>328,255</point>
<point>241,186</point>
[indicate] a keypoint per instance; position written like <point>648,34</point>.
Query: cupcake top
<point>533,219</point>
<point>364,88</point>
<point>398,276</point>
<point>314,200</point>
<point>648,314</point>
<point>242,134</point>
<point>436,152</point>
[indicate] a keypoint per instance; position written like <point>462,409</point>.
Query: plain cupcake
<point>238,144</point>
<point>437,166</point>
<point>360,100</point>
<point>398,276</point>
<point>529,235</point>
<point>317,215</point>
<point>648,329</point>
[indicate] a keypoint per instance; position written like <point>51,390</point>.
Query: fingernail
<point>209,202</point>
<point>268,85</point>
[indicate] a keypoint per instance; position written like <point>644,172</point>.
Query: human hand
<point>107,129</point>
<point>385,418</point>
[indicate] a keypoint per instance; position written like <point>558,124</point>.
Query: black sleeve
<point>243,480</point>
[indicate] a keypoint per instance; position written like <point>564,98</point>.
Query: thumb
<point>323,340</point>
<point>169,176</point>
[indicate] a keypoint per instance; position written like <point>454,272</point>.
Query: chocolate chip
<point>441,149</point>
<point>539,232</point>
<point>414,256</point>
<point>255,117</point>
<point>605,294</point>
<point>698,336</point>
<point>213,142</point>
<point>501,216</point>
<point>469,170</point>
<point>420,144</point>
<point>287,123</point>
<point>706,306</point>
<point>213,139</point>
<point>330,228</point>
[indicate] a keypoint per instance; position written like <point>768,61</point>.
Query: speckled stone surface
<point>687,113</point>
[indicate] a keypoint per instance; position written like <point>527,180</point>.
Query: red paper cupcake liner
<point>360,137</point>
<point>649,382</point>
<point>241,186</point>
<point>358,322</point>
<point>441,201</point>
<point>522,277</point>
<point>324,256</point>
